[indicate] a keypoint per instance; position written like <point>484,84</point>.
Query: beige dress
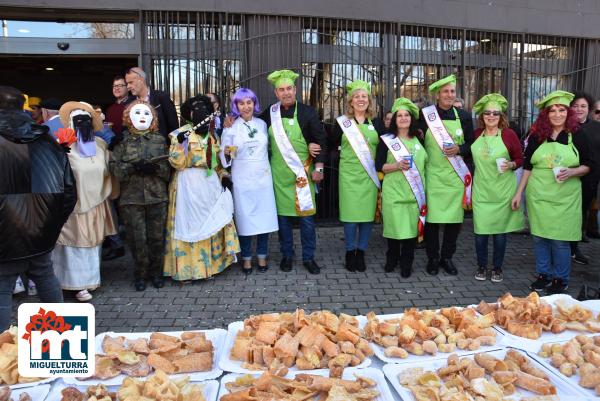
<point>76,257</point>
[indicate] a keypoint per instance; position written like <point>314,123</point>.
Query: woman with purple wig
<point>245,148</point>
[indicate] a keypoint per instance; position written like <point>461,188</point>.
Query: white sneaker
<point>31,288</point>
<point>19,287</point>
<point>83,296</point>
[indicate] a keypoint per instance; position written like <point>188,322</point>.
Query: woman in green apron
<point>358,132</point>
<point>399,206</point>
<point>554,161</point>
<point>496,153</point>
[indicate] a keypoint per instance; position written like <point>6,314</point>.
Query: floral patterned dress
<point>201,259</point>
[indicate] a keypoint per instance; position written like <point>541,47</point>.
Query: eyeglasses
<point>491,113</point>
<point>596,111</point>
<point>119,86</point>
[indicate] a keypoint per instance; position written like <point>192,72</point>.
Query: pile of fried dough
<point>92,393</point>
<point>5,395</point>
<point>9,355</point>
<point>193,352</point>
<point>157,388</point>
<point>528,317</point>
<point>477,378</point>
<point>429,332</point>
<point>318,340</point>
<point>579,356</point>
<point>271,387</point>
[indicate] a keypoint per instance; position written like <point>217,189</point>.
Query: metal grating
<point>199,52</point>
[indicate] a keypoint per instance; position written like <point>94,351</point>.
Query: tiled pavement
<point>232,296</point>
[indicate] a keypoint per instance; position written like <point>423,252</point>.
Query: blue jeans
<point>552,258</point>
<point>262,246</point>
<point>362,230</point>
<point>39,270</point>
<point>481,247</point>
<point>308,236</point>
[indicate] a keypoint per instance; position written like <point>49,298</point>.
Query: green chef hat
<point>437,85</point>
<point>282,77</point>
<point>557,97</point>
<point>403,103</point>
<point>358,84</point>
<point>490,101</point>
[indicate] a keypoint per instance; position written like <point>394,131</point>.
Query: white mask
<point>76,112</point>
<point>141,117</point>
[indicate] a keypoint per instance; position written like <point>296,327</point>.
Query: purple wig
<point>241,94</point>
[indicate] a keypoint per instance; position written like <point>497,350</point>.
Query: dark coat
<point>37,187</point>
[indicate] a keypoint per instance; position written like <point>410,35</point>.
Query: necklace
<point>251,130</point>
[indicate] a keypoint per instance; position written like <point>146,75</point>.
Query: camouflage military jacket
<point>138,188</point>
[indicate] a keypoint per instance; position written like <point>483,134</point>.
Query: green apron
<point>358,193</point>
<point>554,209</point>
<point>492,191</point>
<point>284,179</point>
<point>445,189</point>
<point>399,208</point>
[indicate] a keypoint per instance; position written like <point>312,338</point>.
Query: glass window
<point>76,30</point>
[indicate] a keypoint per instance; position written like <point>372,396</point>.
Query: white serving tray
<point>229,365</point>
<point>217,336</point>
<point>37,392</point>
<point>573,380</point>
<point>32,384</point>
<point>380,351</point>
<point>384,391</point>
<point>527,344</point>
<point>593,304</point>
<point>210,389</point>
<point>564,391</point>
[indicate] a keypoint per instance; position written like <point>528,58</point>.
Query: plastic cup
<point>499,162</point>
<point>409,159</point>
<point>556,171</point>
<point>233,151</point>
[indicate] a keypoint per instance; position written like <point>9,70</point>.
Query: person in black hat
<point>50,109</point>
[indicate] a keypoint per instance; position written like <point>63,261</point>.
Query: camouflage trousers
<point>145,225</point>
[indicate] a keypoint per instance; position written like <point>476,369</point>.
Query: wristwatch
<point>319,170</point>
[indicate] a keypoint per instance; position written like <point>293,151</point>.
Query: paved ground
<point>232,296</point>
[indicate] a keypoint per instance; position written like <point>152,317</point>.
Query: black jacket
<point>311,126</point>
<point>37,188</point>
<point>165,110</point>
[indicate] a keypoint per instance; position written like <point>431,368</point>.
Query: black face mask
<point>82,124</point>
<point>199,113</point>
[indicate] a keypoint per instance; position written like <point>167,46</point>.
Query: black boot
<point>433,266</point>
<point>351,261</point>
<point>405,271</point>
<point>390,263</point>
<point>449,267</point>
<point>360,261</point>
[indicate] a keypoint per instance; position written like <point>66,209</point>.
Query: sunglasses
<point>492,113</point>
<point>596,111</point>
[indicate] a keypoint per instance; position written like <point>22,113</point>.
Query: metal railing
<point>198,52</point>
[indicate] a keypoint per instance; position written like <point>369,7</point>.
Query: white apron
<point>253,195</point>
<point>202,208</point>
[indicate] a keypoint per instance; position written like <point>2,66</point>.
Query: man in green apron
<point>445,189</point>
<point>292,126</point>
